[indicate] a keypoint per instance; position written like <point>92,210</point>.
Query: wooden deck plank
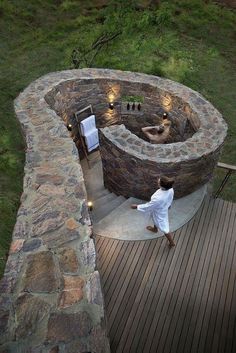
<point>188,270</point>
<point>231,281</point>
<point>134,300</point>
<point>189,246</point>
<point>223,282</point>
<point>165,333</point>
<point>135,333</point>
<point>99,250</point>
<point>106,255</point>
<point>138,305</point>
<point>192,247</point>
<point>119,269</point>
<point>105,249</point>
<point>122,290</point>
<point>100,253</point>
<point>164,301</point>
<point>231,333</point>
<point>202,300</point>
<point>108,274</point>
<point>119,289</point>
<point>148,306</point>
<point>192,285</point>
<point>231,329</point>
<point>111,257</point>
<point>218,274</point>
<point>233,322</point>
<point>156,295</point>
<point>98,242</point>
<point>144,324</point>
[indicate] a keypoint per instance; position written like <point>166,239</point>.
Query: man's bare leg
<point>152,229</point>
<point>170,239</point>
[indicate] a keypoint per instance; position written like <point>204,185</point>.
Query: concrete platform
<point>122,222</point>
<point>126,224</point>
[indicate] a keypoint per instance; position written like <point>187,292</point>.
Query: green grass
<point>184,40</point>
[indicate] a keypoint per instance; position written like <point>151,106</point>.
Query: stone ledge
<point>193,148</point>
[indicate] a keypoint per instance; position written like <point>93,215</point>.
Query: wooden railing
<point>230,169</point>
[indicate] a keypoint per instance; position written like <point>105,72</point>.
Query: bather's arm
<point>150,131</point>
<point>149,128</point>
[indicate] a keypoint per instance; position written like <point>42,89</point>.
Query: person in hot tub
<point>158,133</point>
<point>158,207</point>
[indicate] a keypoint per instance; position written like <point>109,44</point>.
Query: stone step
<point>95,194</point>
<point>102,227</point>
<point>104,199</point>
<point>102,211</point>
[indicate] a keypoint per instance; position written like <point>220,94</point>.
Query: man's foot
<point>171,242</point>
<point>152,229</point>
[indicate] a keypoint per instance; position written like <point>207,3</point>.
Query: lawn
<point>189,41</point>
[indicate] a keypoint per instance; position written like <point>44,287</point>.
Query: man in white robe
<point>158,207</point>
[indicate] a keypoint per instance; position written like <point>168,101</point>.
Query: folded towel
<point>87,125</point>
<point>91,140</point>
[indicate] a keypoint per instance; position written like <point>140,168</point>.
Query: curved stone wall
<point>51,299</point>
<point>131,166</point>
<point>192,157</point>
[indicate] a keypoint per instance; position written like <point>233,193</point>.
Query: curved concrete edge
<point>127,224</point>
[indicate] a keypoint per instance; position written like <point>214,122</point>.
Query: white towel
<point>91,140</point>
<point>87,125</point>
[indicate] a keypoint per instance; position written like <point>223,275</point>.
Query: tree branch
<point>78,57</point>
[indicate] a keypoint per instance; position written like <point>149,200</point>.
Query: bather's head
<point>166,123</point>
<point>165,182</point>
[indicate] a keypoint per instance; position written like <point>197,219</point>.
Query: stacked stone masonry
<point>131,164</point>
<point>51,298</point>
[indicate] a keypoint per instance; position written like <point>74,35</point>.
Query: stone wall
<point>72,96</point>
<point>131,166</point>
<point>51,299</point>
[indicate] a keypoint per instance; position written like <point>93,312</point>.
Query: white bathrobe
<point>158,207</point>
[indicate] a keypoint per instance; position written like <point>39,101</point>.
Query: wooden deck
<point>174,300</point>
